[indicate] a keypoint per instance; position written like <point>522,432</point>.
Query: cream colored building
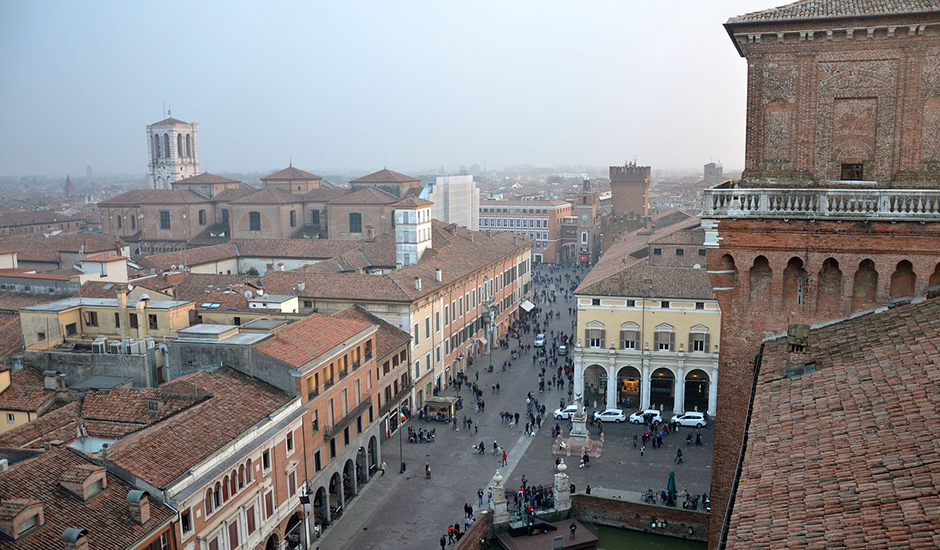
<point>649,325</point>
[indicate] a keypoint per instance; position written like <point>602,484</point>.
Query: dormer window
<point>22,517</point>
<point>85,481</point>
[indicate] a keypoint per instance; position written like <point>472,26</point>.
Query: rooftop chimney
<point>300,286</point>
<point>138,504</point>
<point>50,379</point>
<point>438,274</point>
<point>417,283</point>
<point>75,539</point>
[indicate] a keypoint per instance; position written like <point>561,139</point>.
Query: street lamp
<point>401,448</point>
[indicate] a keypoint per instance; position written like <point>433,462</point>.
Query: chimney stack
<point>438,274</point>
<point>138,504</point>
<point>75,539</point>
<point>417,283</point>
<point>300,286</point>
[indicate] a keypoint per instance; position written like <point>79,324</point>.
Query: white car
<point>610,415</point>
<point>562,350</point>
<point>691,419</point>
<point>565,413</point>
<point>638,417</point>
<point>540,341</point>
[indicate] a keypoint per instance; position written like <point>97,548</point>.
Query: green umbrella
<point>671,487</point>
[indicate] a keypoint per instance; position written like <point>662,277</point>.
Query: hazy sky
<point>346,85</point>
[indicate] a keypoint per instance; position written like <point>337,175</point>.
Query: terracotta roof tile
<point>169,121</point>
<point>412,202</point>
<point>197,285</point>
<point>31,217</point>
<point>290,173</point>
<point>827,9</point>
<point>314,249</point>
<point>388,339</point>
<point>385,176</point>
<point>154,196</point>
<point>305,340</point>
<point>105,517</point>
<point>59,424</point>
<point>369,195</point>
<point>132,405</point>
<point>162,453</point>
<point>190,257</point>
<point>325,195</point>
<point>204,178</point>
<point>24,398</point>
<point>105,257</point>
<point>848,453</point>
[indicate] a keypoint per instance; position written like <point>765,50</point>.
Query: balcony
<point>356,364</point>
<point>395,398</point>
<point>330,432</point>
<point>329,383</point>
<point>311,395</point>
<point>724,201</point>
<point>343,373</point>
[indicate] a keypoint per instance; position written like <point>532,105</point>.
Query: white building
<point>174,154</point>
<point>456,200</point>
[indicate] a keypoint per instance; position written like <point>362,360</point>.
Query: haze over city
<point>355,86</point>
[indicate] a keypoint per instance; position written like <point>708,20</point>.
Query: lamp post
<point>401,448</point>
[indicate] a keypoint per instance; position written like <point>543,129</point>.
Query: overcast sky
<point>353,85</point>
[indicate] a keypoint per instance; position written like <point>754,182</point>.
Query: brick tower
<point>838,209</point>
<point>629,188</point>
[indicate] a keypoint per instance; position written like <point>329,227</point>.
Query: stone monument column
<point>562,488</point>
<point>499,505</point>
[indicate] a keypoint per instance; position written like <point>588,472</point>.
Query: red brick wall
<point>816,102</point>
<point>479,530</point>
<point>629,186</point>
<point>755,306</point>
<point>638,516</point>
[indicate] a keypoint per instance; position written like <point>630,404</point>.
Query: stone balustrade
<point>724,201</point>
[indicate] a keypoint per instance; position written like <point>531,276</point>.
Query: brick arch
<point>903,281</point>
<point>760,281</point>
<point>933,284</point>
<point>794,284</point>
<point>829,290</point>
<point>865,286</point>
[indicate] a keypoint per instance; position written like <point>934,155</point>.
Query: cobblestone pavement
<point>407,511</point>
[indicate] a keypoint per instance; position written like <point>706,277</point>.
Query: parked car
<point>639,416</point>
<point>540,341</point>
<point>566,413</point>
<point>562,350</point>
<point>691,419</point>
<point>610,415</point>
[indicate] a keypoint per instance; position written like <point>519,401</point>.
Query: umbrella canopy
<point>671,486</point>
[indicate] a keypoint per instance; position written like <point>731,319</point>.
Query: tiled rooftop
<point>388,338</point>
<point>385,176</point>
<point>154,196</point>
<point>846,456</point>
<point>290,173</point>
<point>825,9</point>
<point>369,195</point>
<point>204,178</point>
<point>311,337</point>
<point>105,517</point>
<point>162,453</point>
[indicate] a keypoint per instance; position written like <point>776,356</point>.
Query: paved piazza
<point>398,511</point>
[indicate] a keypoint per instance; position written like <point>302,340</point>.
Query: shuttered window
<point>699,342</point>
<point>664,341</point>
<point>629,339</point>
<point>594,337</point>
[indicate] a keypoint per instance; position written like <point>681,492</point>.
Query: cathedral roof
<point>291,173</point>
<point>203,179</point>
<point>369,195</point>
<point>385,176</point>
<point>828,9</point>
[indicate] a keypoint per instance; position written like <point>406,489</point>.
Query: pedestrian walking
<point>443,542</point>
<point>678,456</point>
<point>573,527</point>
<point>427,470</point>
<point>479,497</point>
<point>642,450</point>
<point>504,458</point>
<point>634,441</point>
<point>382,467</point>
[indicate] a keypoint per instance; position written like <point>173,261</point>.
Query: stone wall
<point>481,528</point>
<point>637,516</point>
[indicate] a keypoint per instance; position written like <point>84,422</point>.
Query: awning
<point>483,341</point>
<point>527,306</point>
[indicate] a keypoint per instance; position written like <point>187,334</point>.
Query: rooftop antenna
<point>163,111</point>
<point>169,109</point>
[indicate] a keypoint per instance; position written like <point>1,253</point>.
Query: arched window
<point>241,476</point>
<point>355,222</point>
<point>120,221</point>
<point>225,493</point>
<point>217,495</point>
<point>166,145</point>
<point>664,339</point>
<point>249,472</point>
<point>630,336</point>
<point>699,339</point>
<point>189,146</point>
<point>254,221</point>
<point>179,145</point>
<point>233,483</point>
<point>156,146</point>
<point>202,217</point>
<point>134,221</point>
<point>210,501</point>
<point>594,334</point>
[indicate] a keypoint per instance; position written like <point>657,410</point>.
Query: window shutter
<point>656,341</point>
<point>623,338</point>
<point>672,341</point>
<point>691,342</point>
<point>603,338</point>
<point>587,337</point>
<point>707,346</point>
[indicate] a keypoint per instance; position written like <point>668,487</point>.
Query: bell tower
<point>174,154</point>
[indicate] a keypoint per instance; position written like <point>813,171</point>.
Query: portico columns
<point>645,383</point>
<point>679,390</point>
<point>712,392</point>
<point>612,381</point>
